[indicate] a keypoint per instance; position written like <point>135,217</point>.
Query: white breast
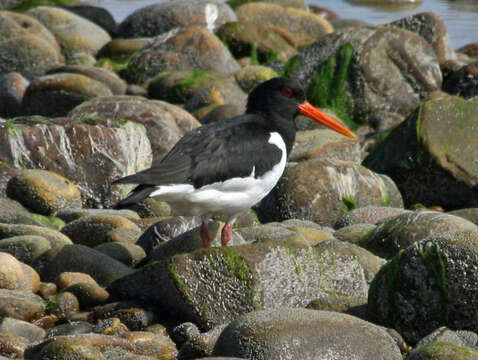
<point>229,197</point>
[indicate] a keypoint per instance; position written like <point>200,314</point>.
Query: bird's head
<point>284,98</point>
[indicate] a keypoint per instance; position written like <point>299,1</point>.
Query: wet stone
<point>129,254</point>
<point>43,191</point>
<point>22,305</point>
<point>26,248</point>
<point>21,328</point>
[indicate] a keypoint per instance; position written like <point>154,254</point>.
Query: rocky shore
<point>366,249</point>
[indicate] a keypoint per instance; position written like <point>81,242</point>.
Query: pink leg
<point>205,235</point>
<point>226,234</point>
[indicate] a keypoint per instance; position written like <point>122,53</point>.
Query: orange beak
<point>309,110</point>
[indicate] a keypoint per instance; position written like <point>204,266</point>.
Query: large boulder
<point>74,33</point>
<point>378,76</point>
<point>432,156</point>
<point>215,285</point>
<point>397,233</point>
<point>90,154</point>
<point>165,123</point>
<point>322,190</point>
<point>305,334</point>
<point>183,49</point>
<point>26,46</point>
<point>56,94</point>
<point>300,26</point>
<point>432,28</point>
<point>159,18</point>
<point>431,283</point>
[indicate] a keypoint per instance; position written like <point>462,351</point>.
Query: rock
<point>134,315</point>
<point>304,334</point>
<point>121,49</point>
<point>153,345</point>
<point>443,334</point>
<point>47,289</point>
<point>201,346</point>
<point>166,229</point>
<point>129,254</point>
<point>436,271</point>
<point>107,77</point>
<point>217,113</point>
<point>229,281</point>
<point>25,248</point>
<point>432,28</point>
<point>12,89</point>
<point>398,232</point>
<point>21,305</point>
<point>79,258</point>
<point>43,191</point>
<point>324,144</point>
<point>355,73</point>
<point>64,305</point>
<point>55,95</point>
<point>69,215</point>
<point>220,92</point>
<point>22,328</point>
<point>301,27</point>
<point>70,328</point>
<point>15,275</point>
<point>54,237</point>
<point>352,305</point>
<point>469,49</point>
<point>26,46</point>
<point>183,49</point>
<point>299,4</point>
<point>368,215</point>
<point>74,33</point>
<point>322,190</point>
<point>88,294</point>
<point>251,76</point>
<point>160,18</point>
<point>179,86</point>
<point>12,346</point>
<point>430,164</point>
<point>353,233</point>
<point>463,82</point>
<point>98,15</point>
<point>10,210</point>
<point>68,279</point>
<point>91,155</point>
<point>468,214</point>
<point>98,229</point>
<point>90,346</point>
<point>262,42</point>
<point>297,231</point>
<point>165,123</point>
<point>442,350</point>
<point>188,242</point>
<point>184,332</point>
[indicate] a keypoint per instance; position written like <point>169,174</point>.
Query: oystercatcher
<point>229,166</point>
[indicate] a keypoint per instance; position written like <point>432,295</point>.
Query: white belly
<point>230,197</point>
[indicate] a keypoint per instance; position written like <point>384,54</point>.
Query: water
<point>460,16</point>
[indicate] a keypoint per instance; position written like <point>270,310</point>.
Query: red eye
<point>286,92</point>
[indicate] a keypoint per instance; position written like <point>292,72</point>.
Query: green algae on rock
<point>428,285</point>
<point>213,286</point>
<point>429,163</point>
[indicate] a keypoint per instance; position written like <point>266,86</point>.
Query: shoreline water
<point>461,18</point>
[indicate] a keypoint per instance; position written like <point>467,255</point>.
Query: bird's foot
<point>226,234</point>
<point>205,235</point>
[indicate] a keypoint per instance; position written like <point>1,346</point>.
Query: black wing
<point>213,153</point>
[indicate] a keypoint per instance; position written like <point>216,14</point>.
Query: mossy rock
<point>179,86</point>
<point>430,163</point>
<point>213,286</point>
<point>428,285</point>
<point>44,192</point>
<point>251,76</point>
<point>441,350</point>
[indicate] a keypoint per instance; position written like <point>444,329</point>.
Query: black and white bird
<point>229,166</point>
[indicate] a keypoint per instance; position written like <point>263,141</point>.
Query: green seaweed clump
<point>328,87</point>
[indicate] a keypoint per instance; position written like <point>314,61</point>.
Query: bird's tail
<point>139,193</point>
